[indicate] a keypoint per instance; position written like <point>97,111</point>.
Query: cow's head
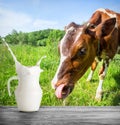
<point>78,49</point>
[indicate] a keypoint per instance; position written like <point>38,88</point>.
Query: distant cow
<point>84,46</point>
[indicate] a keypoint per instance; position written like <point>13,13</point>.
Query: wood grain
<point>67,115</point>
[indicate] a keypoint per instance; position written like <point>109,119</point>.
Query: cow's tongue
<point>62,91</point>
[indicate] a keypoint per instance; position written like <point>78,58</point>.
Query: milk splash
<point>28,93</point>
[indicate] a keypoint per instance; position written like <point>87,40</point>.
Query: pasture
<point>83,93</point>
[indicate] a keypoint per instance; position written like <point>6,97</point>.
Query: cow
<point>83,47</point>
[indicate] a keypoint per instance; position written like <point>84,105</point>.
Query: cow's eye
<point>82,51</point>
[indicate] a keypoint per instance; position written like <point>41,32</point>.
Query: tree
<point>41,42</point>
<point>23,38</point>
<point>0,39</point>
<point>55,35</point>
<point>31,39</point>
<point>12,38</point>
<point>36,38</point>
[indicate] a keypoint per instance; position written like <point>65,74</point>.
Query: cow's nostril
<point>65,89</point>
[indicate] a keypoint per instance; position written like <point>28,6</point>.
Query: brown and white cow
<point>82,47</point>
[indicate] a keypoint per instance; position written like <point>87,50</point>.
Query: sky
<point>33,15</point>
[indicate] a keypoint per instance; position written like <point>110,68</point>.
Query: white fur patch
<point>110,15</point>
<point>100,86</point>
<point>106,67</point>
<point>78,36</point>
<point>90,76</point>
<point>62,56</point>
<point>70,29</point>
<point>55,79</point>
<point>88,24</point>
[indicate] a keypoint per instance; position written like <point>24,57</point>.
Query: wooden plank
<point>67,115</point>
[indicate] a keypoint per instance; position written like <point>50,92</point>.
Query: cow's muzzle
<point>62,91</point>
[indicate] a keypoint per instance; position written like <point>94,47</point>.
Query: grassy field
<point>83,94</point>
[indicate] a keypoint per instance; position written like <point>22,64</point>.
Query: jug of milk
<point>28,93</point>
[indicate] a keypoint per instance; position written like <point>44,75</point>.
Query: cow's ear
<point>107,26</point>
<point>96,18</point>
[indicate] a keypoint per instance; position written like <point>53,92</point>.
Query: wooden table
<point>67,115</point>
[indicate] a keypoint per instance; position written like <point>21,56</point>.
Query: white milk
<point>28,93</point>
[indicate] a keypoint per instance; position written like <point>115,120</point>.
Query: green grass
<point>82,95</point>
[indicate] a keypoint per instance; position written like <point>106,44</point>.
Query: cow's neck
<point>99,50</point>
